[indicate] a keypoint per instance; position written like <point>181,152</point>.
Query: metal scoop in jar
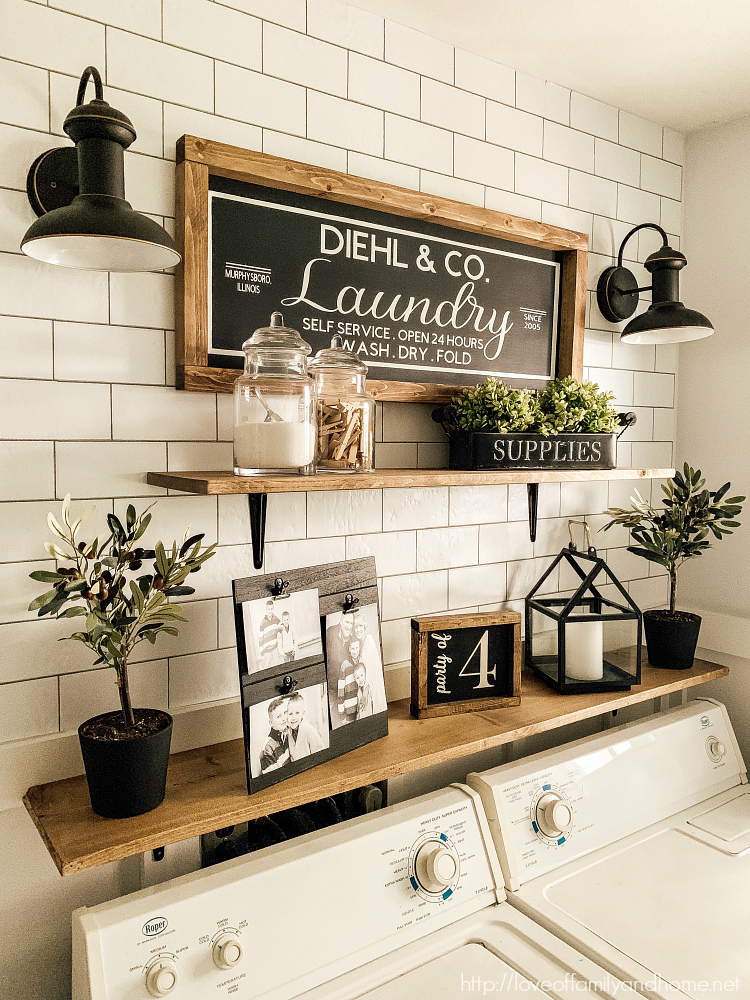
<point>271,415</point>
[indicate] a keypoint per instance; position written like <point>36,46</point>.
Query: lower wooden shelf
<point>206,787</point>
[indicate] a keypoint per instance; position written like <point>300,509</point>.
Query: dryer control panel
<point>331,900</point>
<point>547,809</point>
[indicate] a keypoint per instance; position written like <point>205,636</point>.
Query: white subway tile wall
<point>87,403</point>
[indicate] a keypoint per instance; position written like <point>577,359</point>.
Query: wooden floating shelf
<point>227,482</point>
<point>206,788</point>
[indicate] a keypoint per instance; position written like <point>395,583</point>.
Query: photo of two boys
<point>290,733</point>
<point>280,630</point>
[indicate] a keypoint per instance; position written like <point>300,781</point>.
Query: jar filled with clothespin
<point>346,414</point>
<point>274,404</point>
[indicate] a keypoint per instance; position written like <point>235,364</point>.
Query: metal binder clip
<point>279,586</point>
<point>350,602</point>
<point>288,684</point>
<point>587,535</point>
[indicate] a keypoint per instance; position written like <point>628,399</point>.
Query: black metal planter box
<point>483,450</point>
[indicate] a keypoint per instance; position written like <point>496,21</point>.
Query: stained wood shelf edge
<point>227,482</point>
<point>206,787</point>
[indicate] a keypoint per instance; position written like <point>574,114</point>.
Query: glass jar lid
<point>337,359</point>
<point>277,337</point>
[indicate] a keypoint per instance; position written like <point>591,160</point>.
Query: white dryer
<point>634,847</point>
<point>403,904</point>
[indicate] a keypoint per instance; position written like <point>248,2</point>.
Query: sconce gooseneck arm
<point>91,72</point>
<point>643,225</point>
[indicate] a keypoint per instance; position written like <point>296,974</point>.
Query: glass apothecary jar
<point>346,414</point>
<point>274,404</point>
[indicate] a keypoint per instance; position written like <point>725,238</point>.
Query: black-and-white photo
<point>288,728</point>
<point>354,665</point>
<point>280,630</point>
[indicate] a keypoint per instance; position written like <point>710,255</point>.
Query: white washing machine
<point>402,904</point>
<point>634,847</point>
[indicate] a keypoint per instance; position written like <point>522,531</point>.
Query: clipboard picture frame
<point>287,701</point>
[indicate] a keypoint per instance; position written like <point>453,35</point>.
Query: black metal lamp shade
<point>667,320</point>
<point>84,220</point>
<point>621,666</point>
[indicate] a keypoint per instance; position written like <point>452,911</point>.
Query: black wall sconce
<point>79,195</point>
<point>666,321</point>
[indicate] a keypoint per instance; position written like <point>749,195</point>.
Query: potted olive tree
<point>668,536</point>
<point>125,753</point>
<point>568,425</point>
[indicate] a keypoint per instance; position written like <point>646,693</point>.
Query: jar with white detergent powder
<point>274,404</point>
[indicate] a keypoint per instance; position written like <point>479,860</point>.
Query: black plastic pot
<point>127,777</point>
<point>671,641</point>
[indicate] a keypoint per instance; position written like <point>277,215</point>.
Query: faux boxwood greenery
<point>565,406</point>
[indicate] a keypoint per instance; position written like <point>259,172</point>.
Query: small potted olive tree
<point>568,425</point>
<point>125,753</point>
<point>668,536</point>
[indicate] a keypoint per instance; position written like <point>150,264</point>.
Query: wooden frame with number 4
<point>442,630</point>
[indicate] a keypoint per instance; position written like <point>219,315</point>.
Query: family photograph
<point>354,666</point>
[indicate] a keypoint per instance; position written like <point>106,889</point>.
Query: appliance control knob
<point>161,979</point>
<point>554,816</point>
<point>716,748</point>
<point>227,951</point>
<point>435,866</point>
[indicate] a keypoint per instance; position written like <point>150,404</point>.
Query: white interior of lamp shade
<point>668,335</point>
<point>101,253</point>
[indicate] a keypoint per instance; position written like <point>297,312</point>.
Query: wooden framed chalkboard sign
<point>433,294</point>
<point>465,663</point>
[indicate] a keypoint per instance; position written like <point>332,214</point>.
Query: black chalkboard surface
<point>465,662</point>
<point>417,301</point>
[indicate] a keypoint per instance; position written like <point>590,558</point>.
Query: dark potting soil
<point>671,616</point>
<point>112,726</point>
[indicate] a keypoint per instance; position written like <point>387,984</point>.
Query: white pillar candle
<point>584,651</point>
<point>274,445</point>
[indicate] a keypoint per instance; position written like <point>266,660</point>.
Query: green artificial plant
<point>492,406</point>
<point>564,406</point>
<point>567,406</point>
<point>121,609</point>
<point>679,530</point>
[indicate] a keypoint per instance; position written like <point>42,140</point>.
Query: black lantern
<point>590,641</point>
<point>78,192</point>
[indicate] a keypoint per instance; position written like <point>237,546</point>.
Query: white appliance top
<point>561,804</point>
<point>680,908</point>
<point>279,922</point>
<point>497,952</point>
<point>651,879</point>
<point>403,904</point>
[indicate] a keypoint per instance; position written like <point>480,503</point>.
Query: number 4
<point>483,673</point>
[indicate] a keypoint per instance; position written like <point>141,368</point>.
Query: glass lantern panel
<point>544,641</point>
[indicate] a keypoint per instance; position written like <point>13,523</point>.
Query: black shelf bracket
<point>258,503</point>
<point>532,490</point>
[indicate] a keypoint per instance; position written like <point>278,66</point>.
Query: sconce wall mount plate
<point>79,195</point>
